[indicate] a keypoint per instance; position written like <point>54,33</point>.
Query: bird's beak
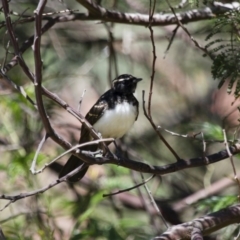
<point>138,79</point>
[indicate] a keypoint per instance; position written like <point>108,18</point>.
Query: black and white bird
<point>112,116</point>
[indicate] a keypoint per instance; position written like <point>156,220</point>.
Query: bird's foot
<point>98,152</point>
<point>93,154</point>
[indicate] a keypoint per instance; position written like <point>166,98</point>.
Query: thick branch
<point>162,19</point>
<point>97,12</point>
<point>38,66</point>
<point>203,225</point>
<point>160,170</point>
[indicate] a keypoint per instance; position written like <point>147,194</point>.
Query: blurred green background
<point>185,100</point>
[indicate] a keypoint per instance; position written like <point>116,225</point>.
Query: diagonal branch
<point>204,225</point>
<point>99,13</point>
<point>96,12</point>
<point>38,67</point>
<point>160,170</point>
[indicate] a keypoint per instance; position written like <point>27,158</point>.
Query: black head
<point>125,83</point>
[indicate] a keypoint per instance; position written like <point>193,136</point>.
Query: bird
<point>113,115</point>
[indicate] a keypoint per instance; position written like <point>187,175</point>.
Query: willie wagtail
<point>112,116</point>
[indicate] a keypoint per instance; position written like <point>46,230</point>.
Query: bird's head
<point>125,83</point>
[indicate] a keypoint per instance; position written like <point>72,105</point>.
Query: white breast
<point>116,122</point>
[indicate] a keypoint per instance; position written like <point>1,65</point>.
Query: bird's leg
<point>103,147</point>
<point>98,152</point>
<point>91,153</point>
<point>118,152</point>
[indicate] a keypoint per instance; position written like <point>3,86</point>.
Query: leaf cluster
<point>224,50</point>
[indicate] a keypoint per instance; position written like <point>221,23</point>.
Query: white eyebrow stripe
<point>122,79</point>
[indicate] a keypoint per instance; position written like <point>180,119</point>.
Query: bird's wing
<point>94,114</point>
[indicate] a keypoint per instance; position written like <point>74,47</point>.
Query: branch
<point>77,147</point>
<point>180,23</point>
<point>96,12</point>
<point>28,43</point>
<point>20,89</point>
<point>130,188</point>
<point>203,225</point>
<point>160,170</point>
<point>126,18</point>
<point>156,128</point>
<point>38,67</point>
<point>40,90</point>
<point>99,13</point>
<point>213,189</point>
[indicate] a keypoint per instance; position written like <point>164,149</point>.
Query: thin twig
<point>148,113</point>
<point>157,130</point>
<point>14,198</point>
<point>151,12</point>
<point>188,33</point>
<point>129,189</point>
<point>18,88</point>
<point>232,163</point>
<point>78,146</point>
<point>153,202</point>
<point>171,40</point>
<point>26,45</point>
<point>194,136</point>
<point>32,168</point>
<point>112,59</point>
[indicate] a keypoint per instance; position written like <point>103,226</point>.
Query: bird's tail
<point>72,163</point>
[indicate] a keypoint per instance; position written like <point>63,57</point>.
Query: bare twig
<point>154,203</point>
<point>27,44</point>
<point>32,168</point>
<point>145,202</point>
<point>163,19</point>
<point>13,39</point>
<point>157,130</point>
<point>232,163</point>
<point>78,146</point>
<point>112,58</point>
<point>18,88</point>
<point>129,189</point>
<point>187,32</point>
<point>213,189</point>
<point>171,40</point>
<point>14,198</point>
<point>147,113</point>
<point>151,12</point>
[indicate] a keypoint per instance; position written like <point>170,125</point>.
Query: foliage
<point>224,49</point>
<point>76,57</point>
